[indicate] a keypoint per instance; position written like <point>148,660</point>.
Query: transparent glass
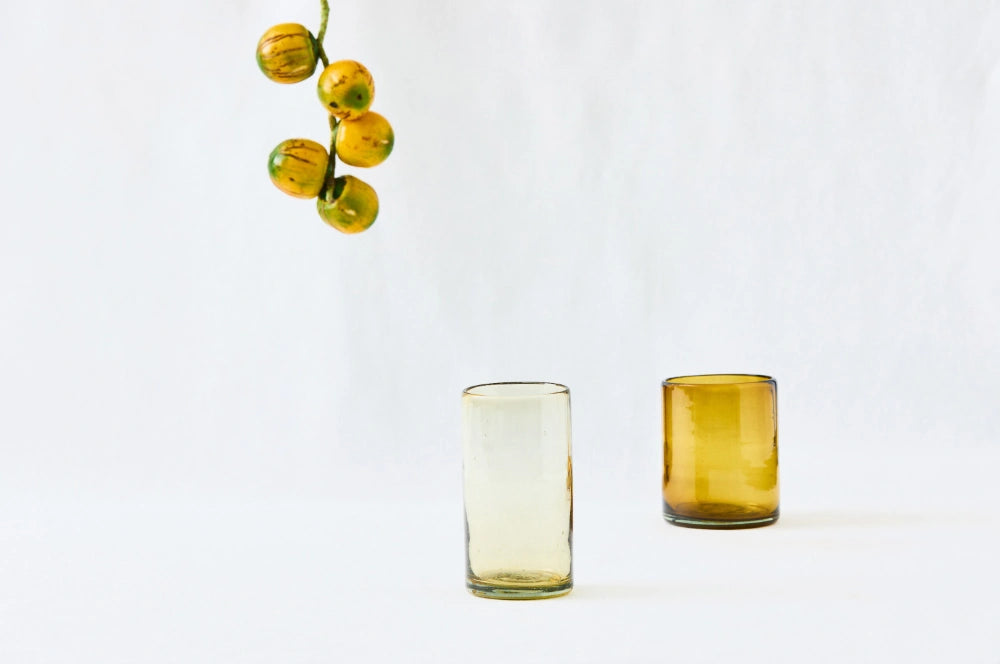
<point>720,451</point>
<point>518,483</point>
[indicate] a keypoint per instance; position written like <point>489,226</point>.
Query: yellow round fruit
<point>353,207</point>
<point>287,53</point>
<point>346,89</point>
<point>364,142</point>
<point>298,167</point>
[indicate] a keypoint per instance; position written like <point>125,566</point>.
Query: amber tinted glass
<point>720,451</point>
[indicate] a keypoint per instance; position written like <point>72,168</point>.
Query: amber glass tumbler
<point>720,451</point>
<point>518,485</point>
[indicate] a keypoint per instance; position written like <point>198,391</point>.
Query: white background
<point>229,433</point>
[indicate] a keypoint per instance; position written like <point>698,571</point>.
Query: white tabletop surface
<point>891,572</point>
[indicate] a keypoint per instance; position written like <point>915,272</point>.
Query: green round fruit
<point>353,205</point>
<point>287,53</point>
<point>298,167</point>
<point>346,89</point>
<point>364,142</point>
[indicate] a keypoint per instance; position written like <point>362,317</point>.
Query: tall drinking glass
<point>518,485</point>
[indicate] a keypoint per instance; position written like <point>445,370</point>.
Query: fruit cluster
<point>288,53</point>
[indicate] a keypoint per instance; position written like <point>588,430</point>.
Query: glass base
<point>519,585</point>
<point>718,516</point>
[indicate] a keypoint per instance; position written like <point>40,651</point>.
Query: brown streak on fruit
<point>298,158</point>
<point>275,54</point>
<point>275,38</point>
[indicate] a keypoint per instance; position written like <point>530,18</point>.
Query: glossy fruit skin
<point>287,53</point>
<point>346,89</point>
<point>354,206</point>
<point>364,142</point>
<point>298,167</point>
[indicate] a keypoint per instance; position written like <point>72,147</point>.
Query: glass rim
<point>545,388</point>
<point>733,379</point>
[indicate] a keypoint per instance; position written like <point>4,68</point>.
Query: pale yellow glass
<point>518,485</point>
<point>720,451</point>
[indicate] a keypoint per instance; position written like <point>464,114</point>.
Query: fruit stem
<point>331,161</point>
<point>324,15</point>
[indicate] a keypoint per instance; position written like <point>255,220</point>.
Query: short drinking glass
<point>720,451</point>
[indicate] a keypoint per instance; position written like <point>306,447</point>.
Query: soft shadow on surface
<point>612,591</point>
<point>824,519</point>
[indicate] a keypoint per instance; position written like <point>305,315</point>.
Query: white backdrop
<point>599,194</point>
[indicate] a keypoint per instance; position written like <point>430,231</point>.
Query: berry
<point>346,89</point>
<point>364,142</point>
<point>298,167</point>
<point>353,207</point>
<point>287,53</point>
